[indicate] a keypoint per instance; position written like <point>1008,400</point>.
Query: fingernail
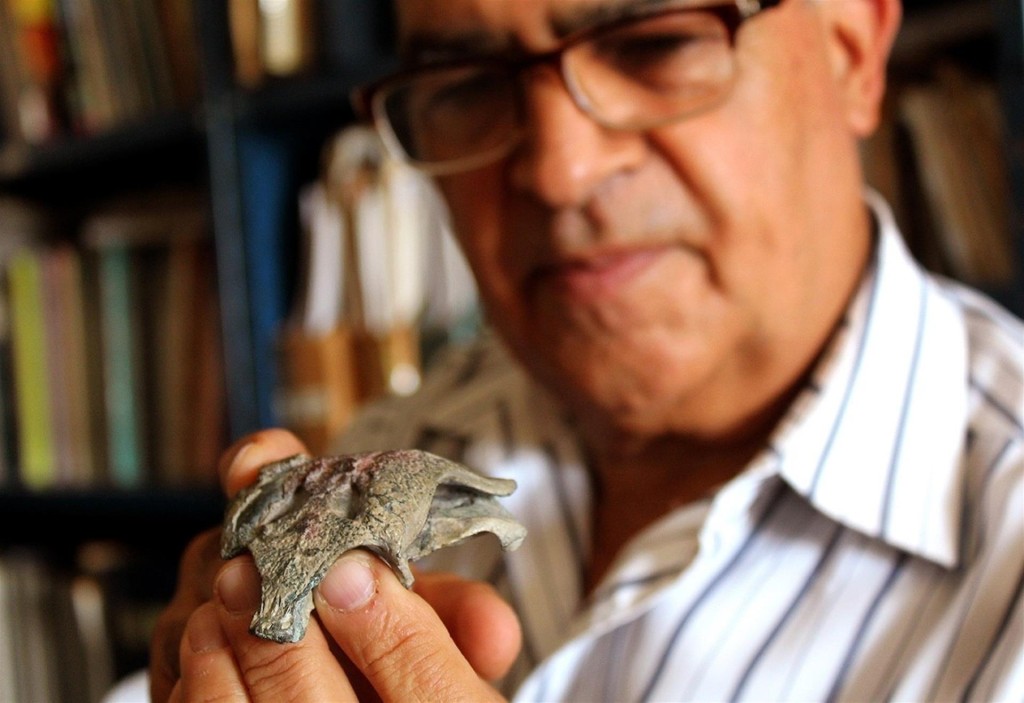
<point>205,635</point>
<point>242,451</point>
<point>350,584</point>
<point>229,478</point>
<point>238,587</point>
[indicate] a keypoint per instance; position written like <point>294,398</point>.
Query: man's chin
<point>612,402</point>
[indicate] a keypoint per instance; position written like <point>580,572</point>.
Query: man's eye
<point>637,53</point>
<point>461,95</point>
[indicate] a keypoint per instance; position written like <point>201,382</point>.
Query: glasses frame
<point>367,99</point>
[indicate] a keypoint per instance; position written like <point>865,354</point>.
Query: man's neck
<point>634,489</point>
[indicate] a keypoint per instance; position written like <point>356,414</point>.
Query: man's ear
<point>861,33</point>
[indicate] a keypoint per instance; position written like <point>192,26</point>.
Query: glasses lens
<point>451,115</point>
<point>653,70</point>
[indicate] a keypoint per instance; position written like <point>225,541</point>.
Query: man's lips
<point>598,276</point>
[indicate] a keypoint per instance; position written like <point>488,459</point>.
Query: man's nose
<point>564,154</point>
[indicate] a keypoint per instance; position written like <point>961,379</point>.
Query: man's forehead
<point>442,29</point>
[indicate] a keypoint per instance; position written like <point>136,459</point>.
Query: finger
<point>240,464</point>
<point>238,467</point>
<point>392,635</point>
<point>196,571</point>
<point>209,671</point>
<point>301,671</point>
<point>484,627</point>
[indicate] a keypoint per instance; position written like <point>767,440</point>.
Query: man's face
<point>673,280</point>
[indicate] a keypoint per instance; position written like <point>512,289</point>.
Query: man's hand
<point>370,634</point>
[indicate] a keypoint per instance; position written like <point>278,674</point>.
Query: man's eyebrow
<point>430,46</point>
<point>580,18</point>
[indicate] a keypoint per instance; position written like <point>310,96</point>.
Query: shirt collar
<point>875,441</point>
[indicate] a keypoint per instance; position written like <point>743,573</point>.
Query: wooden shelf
<point>21,162</point>
<point>150,516</point>
<point>321,93</point>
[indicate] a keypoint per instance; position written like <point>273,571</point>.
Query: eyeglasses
<point>635,73</point>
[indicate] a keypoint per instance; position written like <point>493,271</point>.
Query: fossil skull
<point>304,512</point>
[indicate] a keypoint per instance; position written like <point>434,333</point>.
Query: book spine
<point>38,67</point>
<point>71,304</point>
<point>32,395</point>
<point>121,377</point>
<point>286,35</point>
<point>175,21</point>
<point>57,360</point>
<point>267,173</point>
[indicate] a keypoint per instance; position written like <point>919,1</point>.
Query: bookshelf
<point>249,149</point>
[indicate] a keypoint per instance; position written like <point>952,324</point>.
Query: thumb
<point>392,635</point>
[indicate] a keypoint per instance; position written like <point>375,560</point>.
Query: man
<point>760,454</point>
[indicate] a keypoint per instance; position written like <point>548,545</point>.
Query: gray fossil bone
<point>304,512</point>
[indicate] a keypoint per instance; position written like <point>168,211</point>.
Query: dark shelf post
<point>1010,23</point>
<point>228,219</point>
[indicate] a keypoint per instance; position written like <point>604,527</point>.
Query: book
<point>10,78</point>
<point>176,336</point>
<point>271,39</point>
<point>153,54</point>
<point>189,393</point>
<point>28,609</point>
<point>94,361</point>
<point>287,43</point>
<point>955,127</point>
<point>208,427</point>
<point>8,666</point>
<point>115,41</point>
<point>244,27</point>
<point>90,619</point>
<point>122,375</point>
<point>66,660</point>
<point>176,21</point>
<point>95,107</point>
<point>37,69</point>
<point>150,281</point>
<point>270,212</point>
<point>32,395</point>
<point>67,365</point>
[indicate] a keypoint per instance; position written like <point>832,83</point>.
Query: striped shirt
<point>874,550</point>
